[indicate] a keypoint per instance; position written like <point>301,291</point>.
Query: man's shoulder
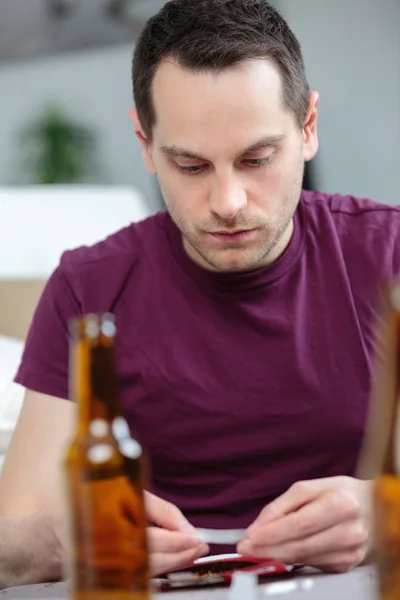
<point>363,231</point>
<point>123,247</point>
<point>348,211</point>
<point>104,267</point>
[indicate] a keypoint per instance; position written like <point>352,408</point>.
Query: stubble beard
<point>252,259</point>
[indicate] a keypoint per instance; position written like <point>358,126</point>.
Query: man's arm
<point>30,492</point>
<point>31,523</point>
<point>30,551</point>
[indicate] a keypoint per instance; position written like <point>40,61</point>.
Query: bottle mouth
<point>92,326</point>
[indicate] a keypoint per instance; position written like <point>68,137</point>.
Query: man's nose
<point>227,198</point>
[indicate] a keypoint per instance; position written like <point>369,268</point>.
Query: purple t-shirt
<point>237,385</point>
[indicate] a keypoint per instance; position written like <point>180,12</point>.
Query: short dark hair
<point>212,35</point>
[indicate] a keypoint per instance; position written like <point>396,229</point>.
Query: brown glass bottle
<point>380,459</point>
<point>107,554</point>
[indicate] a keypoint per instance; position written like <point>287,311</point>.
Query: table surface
<point>360,584</point>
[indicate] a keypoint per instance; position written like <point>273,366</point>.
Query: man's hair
<point>213,35</point>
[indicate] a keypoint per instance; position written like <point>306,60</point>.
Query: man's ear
<point>310,133</point>
<point>143,141</point>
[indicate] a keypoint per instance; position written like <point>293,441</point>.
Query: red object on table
<point>218,570</point>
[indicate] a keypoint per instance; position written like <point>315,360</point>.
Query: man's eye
<point>191,170</point>
<point>254,163</point>
<point>258,162</point>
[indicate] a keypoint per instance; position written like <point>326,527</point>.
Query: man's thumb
<point>165,514</point>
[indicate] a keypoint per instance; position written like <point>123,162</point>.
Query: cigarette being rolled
<point>221,536</point>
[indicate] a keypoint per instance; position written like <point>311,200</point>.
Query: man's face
<point>229,159</point>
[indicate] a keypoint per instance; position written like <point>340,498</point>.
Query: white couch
<point>36,225</point>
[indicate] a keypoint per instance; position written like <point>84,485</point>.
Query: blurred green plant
<point>57,150</point>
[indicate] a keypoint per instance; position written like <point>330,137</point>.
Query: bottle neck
<point>390,463</point>
<point>93,384</point>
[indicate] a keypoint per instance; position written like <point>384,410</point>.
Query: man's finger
<point>163,562</point>
<point>165,514</point>
<point>330,562</point>
<point>344,538</point>
<point>163,540</point>
<point>326,511</point>
<point>337,562</point>
<point>295,497</point>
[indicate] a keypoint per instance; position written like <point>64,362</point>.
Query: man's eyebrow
<point>180,152</point>
<point>265,142</point>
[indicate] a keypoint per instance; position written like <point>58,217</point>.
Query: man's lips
<point>239,234</point>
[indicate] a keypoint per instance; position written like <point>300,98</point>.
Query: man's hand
<point>324,523</point>
<point>173,543</point>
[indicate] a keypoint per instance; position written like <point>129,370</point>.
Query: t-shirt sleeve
<point>44,364</point>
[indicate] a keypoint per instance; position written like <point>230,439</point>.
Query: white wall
<point>352,55</point>
<point>95,89</point>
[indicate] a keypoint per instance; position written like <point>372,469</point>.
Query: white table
<point>360,584</point>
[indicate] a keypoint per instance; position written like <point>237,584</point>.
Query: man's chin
<point>233,264</point>
<point>226,260</point>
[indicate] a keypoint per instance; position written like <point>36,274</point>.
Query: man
<point>246,313</point>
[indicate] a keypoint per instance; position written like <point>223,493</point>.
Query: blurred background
<point>70,167</point>
<point>66,64</point>
<point>65,69</point>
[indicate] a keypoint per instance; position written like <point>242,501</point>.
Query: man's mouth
<point>233,236</point>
